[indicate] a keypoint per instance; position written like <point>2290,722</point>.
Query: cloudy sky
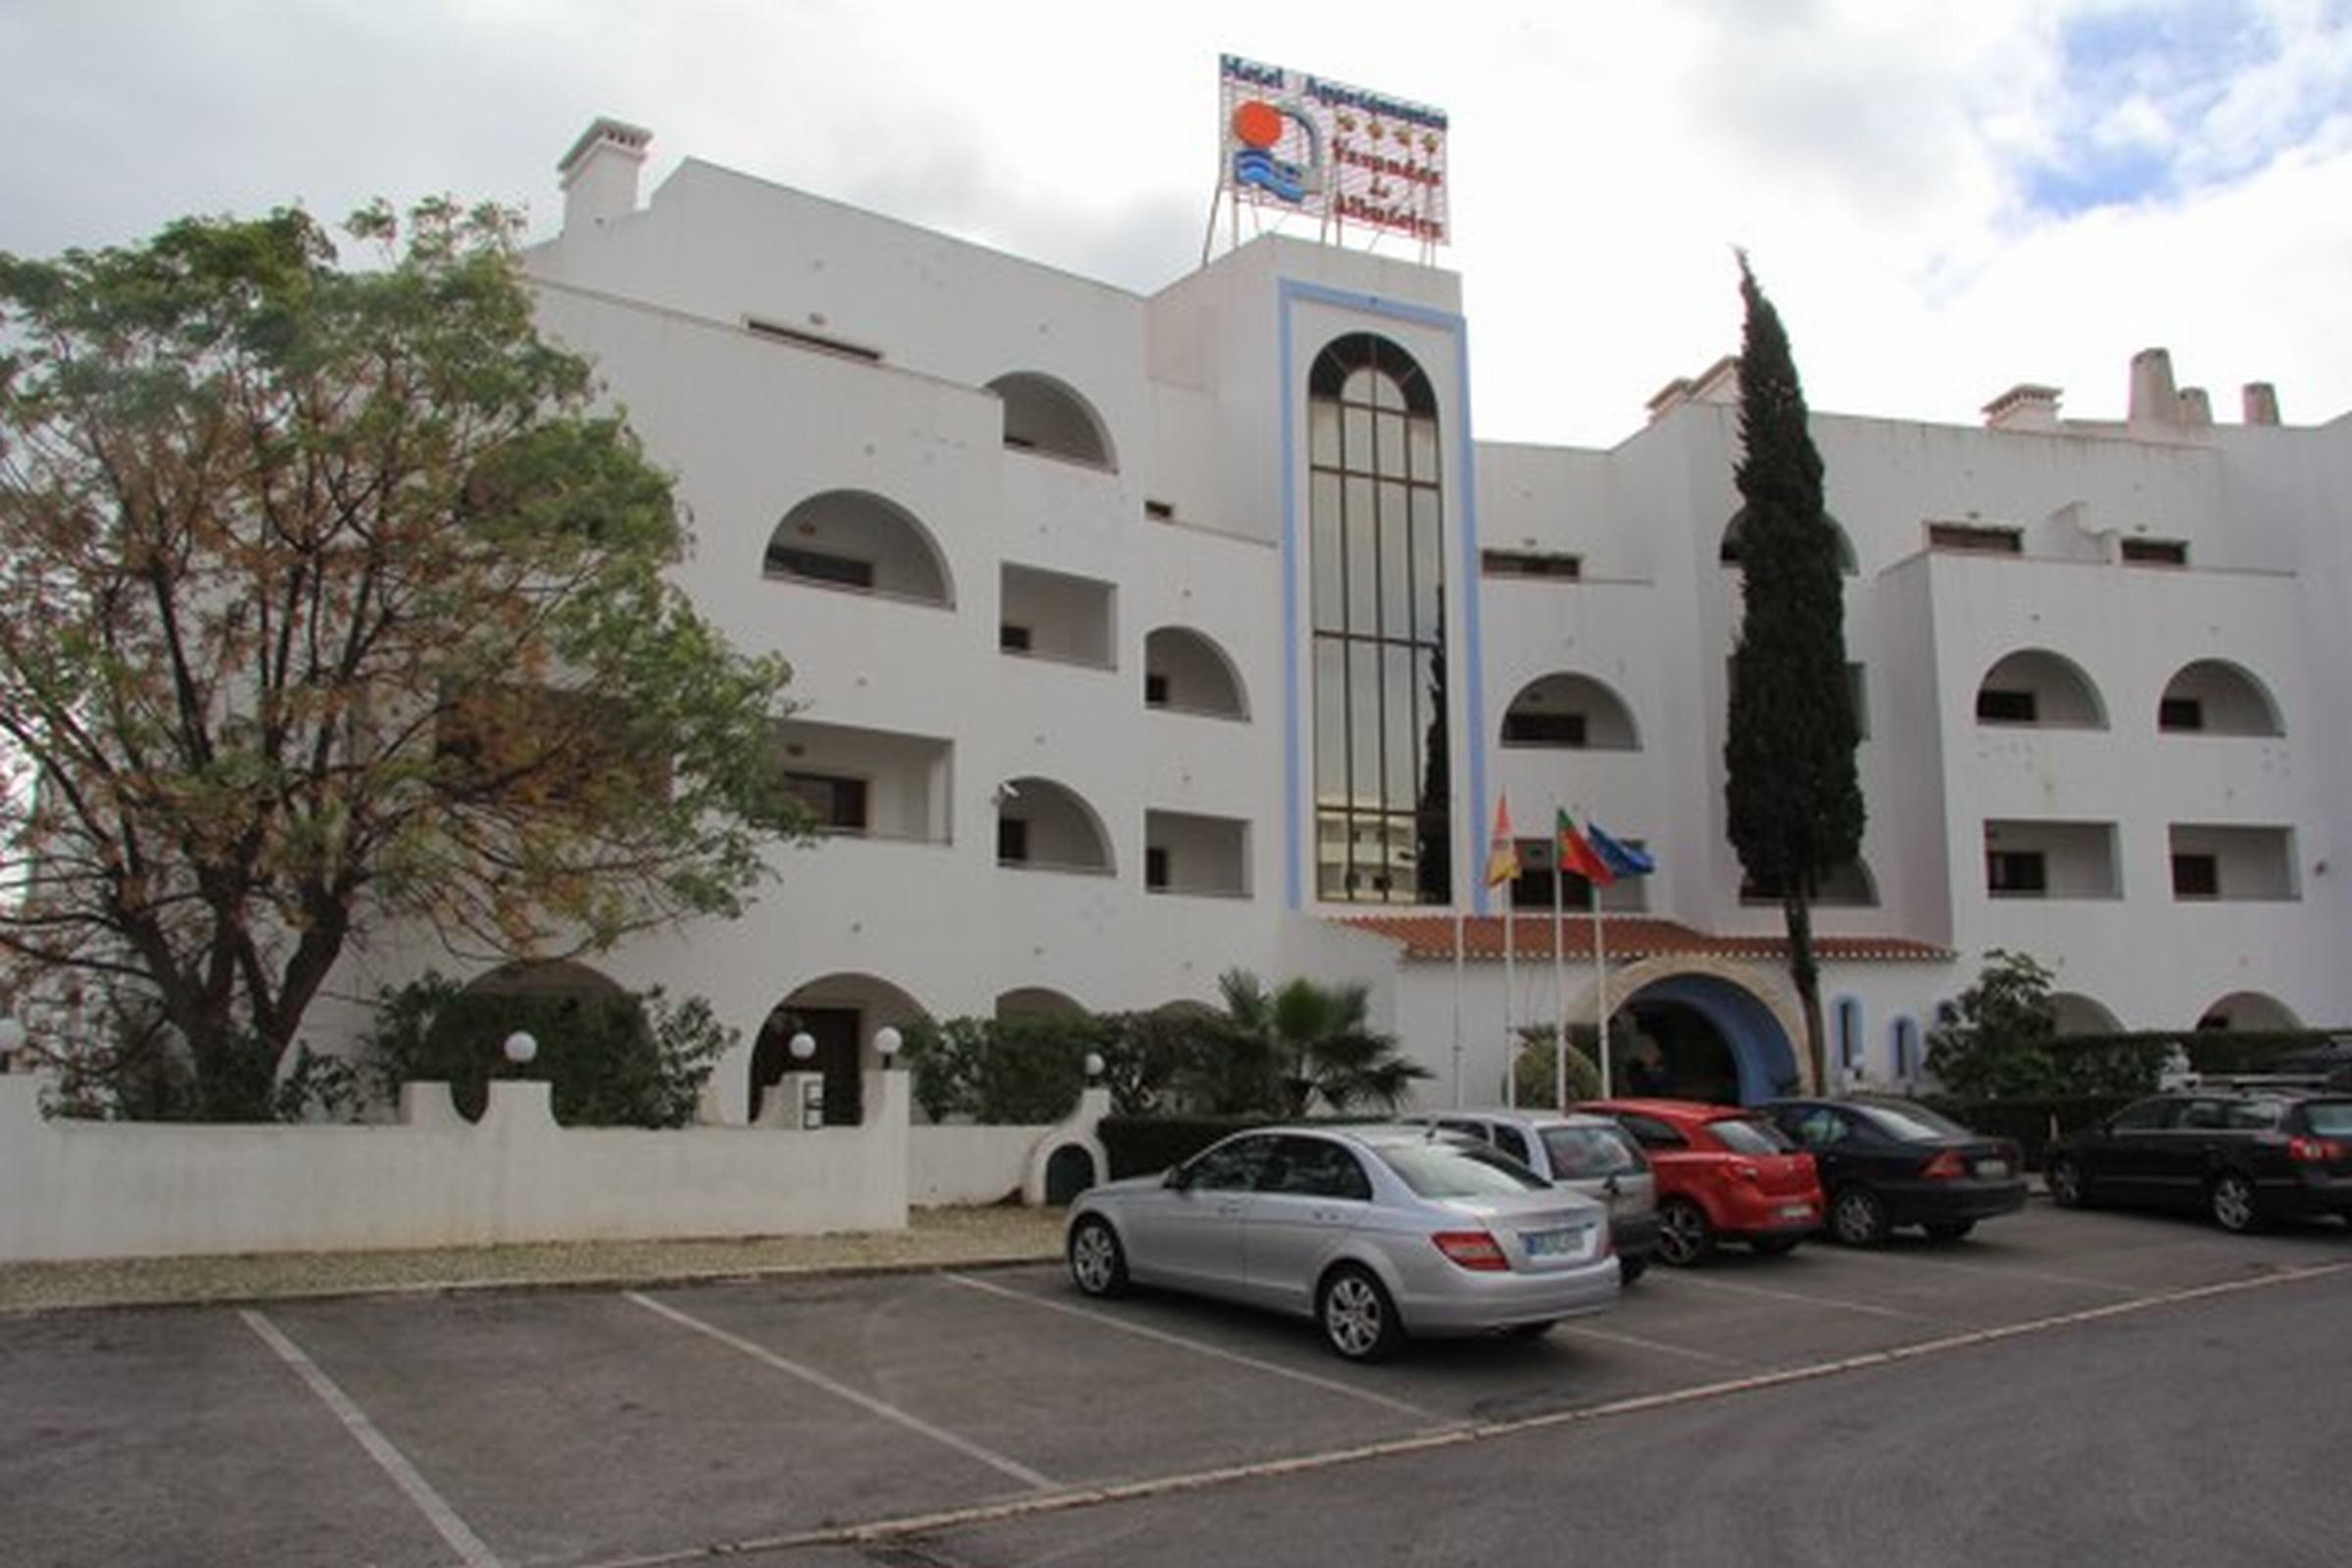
<point>1944,199</point>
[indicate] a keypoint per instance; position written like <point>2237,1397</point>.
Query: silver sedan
<point>1377,1233</point>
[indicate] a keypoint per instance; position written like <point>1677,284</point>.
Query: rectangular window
<point>2155,552</point>
<point>1155,690</point>
<point>2181,714</point>
<point>1976,536</point>
<point>1014,639</point>
<point>1156,869</point>
<point>801,337</point>
<point>817,565</point>
<point>1534,728</point>
<point>1998,706</point>
<point>1530,563</point>
<point>1012,840</point>
<point>2196,877</point>
<point>1159,511</point>
<point>838,803</point>
<point>2016,873</point>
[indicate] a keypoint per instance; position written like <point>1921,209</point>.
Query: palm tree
<point>1319,1041</point>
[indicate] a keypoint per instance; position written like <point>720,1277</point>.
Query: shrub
<point>1138,1146</point>
<point>1535,1075</point>
<point>1006,1072</point>
<point>626,1060</point>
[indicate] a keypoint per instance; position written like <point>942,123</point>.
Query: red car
<point>1724,1174</point>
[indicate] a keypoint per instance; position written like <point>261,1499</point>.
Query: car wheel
<point>2064,1179</point>
<point>1359,1321</point>
<point>1949,1230</point>
<point>1630,1269</point>
<point>1686,1236</point>
<point>2232,1197</point>
<point>1777,1245</point>
<point>1858,1218</point>
<point>1098,1262</point>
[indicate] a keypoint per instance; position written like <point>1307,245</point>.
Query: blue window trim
<point>1847,1010</point>
<point>1469,813</point>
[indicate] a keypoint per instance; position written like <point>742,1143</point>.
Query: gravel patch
<point>934,1238</point>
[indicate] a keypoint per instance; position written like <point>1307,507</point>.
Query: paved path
<point>939,1238</point>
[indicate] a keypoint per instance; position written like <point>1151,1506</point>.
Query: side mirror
<point>1178,1178</point>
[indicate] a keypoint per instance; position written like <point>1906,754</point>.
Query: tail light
<point>1473,1250</point>
<point>1946,1167</point>
<point>2314,1150</point>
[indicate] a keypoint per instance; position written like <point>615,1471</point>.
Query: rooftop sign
<point>1338,153</point>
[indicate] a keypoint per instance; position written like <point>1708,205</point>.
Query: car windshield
<point>1913,1124</point>
<point>1447,1169</point>
<point>1744,1135</point>
<point>1591,1152</point>
<point>2330,1119</point>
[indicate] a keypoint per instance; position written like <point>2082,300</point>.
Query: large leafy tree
<point>336,608</point>
<point>1793,800</point>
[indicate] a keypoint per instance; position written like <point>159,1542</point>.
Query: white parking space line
<point>842,1390</point>
<point>1700,1282</point>
<point>966,1518</point>
<point>1198,1347</point>
<point>1639,1343</point>
<point>443,1518</point>
<point>1995,1271</point>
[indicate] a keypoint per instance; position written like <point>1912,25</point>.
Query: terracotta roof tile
<point>1630,936</point>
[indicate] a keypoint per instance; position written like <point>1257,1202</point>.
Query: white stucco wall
<point>123,1189</point>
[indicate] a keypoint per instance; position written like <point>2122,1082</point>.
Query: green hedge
<point>1139,1145</point>
<point>2030,1120</point>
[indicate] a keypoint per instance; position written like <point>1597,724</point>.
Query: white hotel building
<point>1117,623</point>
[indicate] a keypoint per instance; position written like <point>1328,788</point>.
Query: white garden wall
<point>74,1188</point>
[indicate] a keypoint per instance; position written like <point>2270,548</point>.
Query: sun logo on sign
<point>1267,133</point>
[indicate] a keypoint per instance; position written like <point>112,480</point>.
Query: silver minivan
<point>1590,1154</point>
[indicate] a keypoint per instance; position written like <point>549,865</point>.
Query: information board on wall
<point>1306,144</point>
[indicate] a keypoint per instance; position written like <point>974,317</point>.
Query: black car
<point>1885,1162</point>
<point>2246,1155</point>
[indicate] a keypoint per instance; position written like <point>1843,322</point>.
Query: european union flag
<point>1622,859</point>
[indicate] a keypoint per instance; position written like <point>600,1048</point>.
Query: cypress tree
<point>1792,801</point>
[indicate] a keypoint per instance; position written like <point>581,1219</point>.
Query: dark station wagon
<point>2243,1154</point>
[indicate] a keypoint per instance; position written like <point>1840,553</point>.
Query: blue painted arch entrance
<point>1708,1037</point>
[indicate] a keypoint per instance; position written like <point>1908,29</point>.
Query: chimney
<point>2153,398</point>
<point>2196,408</point>
<point>600,173</point>
<point>2023,407</point>
<point>2260,402</point>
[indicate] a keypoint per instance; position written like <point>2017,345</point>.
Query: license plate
<point>1797,1212</point>
<point>1993,1169</point>
<point>1550,1244</point>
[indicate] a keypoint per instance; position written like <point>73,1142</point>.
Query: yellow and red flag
<point>1502,850</point>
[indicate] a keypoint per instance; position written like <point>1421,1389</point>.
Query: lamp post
<point>521,1048</point>
<point>887,1041</point>
<point>12,1041</point>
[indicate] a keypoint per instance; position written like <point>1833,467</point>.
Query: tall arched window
<point>1376,553</point>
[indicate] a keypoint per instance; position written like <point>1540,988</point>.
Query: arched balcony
<point>1571,713</point>
<point>1046,415</point>
<point>1045,826</point>
<point>856,540</point>
<point>2037,689</point>
<point>2214,697</point>
<point>1186,673</point>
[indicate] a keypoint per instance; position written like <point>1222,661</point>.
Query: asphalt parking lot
<point>821,1419</point>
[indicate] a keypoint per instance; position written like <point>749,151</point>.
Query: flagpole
<point>1600,985</point>
<point>1458,1006</point>
<point>1510,1041</point>
<point>1559,985</point>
